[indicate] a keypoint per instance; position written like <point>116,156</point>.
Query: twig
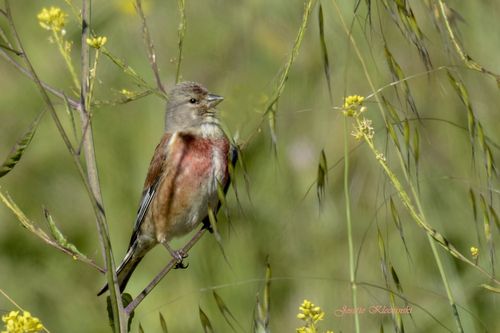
<point>72,102</point>
<point>162,274</point>
<point>149,43</point>
<point>180,37</point>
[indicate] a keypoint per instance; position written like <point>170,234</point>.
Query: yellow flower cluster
<point>351,104</point>
<point>96,43</point>
<point>52,19</point>
<point>475,253</point>
<point>311,314</point>
<point>21,324</point>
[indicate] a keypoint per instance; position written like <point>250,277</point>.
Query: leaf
<point>407,135</point>
<point>415,146</point>
<point>163,324</point>
<point>126,300</point>
<point>59,237</point>
<point>324,53</point>
<point>241,161</point>
<point>223,309</point>
<point>399,77</point>
<point>205,322</point>
<point>222,200</point>
<point>494,215</point>
<point>455,86</point>
<point>487,229</point>
<point>233,159</point>
<point>392,112</point>
<point>260,318</point>
<point>267,295</point>
<point>392,133</point>
<point>485,286</point>
<point>20,146</point>
<point>213,224</point>
<point>383,256</point>
<point>322,179</point>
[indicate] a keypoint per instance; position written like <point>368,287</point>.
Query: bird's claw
<point>179,256</point>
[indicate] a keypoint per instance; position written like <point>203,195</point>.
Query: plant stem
<point>349,227</point>
<point>84,111</point>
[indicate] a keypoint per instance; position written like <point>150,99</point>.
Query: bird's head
<point>190,105</point>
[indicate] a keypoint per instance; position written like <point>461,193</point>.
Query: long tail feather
<point>124,271</point>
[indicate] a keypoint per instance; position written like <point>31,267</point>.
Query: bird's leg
<point>178,255</point>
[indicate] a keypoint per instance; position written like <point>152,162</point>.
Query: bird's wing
<point>152,179</point>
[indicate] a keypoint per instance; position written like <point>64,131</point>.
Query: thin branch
<point>162,274</point>
<point>149,43</point>
<point>72,102</point>
<point>181,31</point>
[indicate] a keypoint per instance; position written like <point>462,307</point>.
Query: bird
<point>183,178</point>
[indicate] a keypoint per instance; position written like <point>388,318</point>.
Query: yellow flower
<point>21,324</point>
<point>351,104</point>
<point>311,315</point>
<point>475,253</point>
<point>52,19</point>
<point>96,43</point>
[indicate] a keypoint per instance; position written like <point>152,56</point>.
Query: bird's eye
<point>192,101</point>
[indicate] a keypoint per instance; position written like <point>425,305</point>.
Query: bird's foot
<point>178,255</point>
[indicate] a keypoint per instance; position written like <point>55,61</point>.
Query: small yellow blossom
<point>16,323</point>
<point>97,43</point>
<point>475,253</point>
<point>52,19</point>
<point>351,104</point>
<point>311,314</point>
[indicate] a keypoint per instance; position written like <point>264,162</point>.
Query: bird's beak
<point>213,100</point>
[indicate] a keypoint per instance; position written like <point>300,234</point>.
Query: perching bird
<point>190,159</point>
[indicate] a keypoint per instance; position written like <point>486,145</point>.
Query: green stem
<point>119,315</point>
<point>349,226</point>
<point>67,58</point>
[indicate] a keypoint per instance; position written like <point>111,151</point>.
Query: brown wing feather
<point>156,165</point>
<point>154,172</point>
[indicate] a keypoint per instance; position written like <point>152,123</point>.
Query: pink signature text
<point>374,309</point>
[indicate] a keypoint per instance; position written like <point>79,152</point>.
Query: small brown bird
<point>190,159</point>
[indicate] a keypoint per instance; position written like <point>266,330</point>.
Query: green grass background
<point>237,49</point>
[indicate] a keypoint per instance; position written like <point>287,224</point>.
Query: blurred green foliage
<point>237,49</point>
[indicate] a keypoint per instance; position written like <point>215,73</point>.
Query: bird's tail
<point>125,270</point>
